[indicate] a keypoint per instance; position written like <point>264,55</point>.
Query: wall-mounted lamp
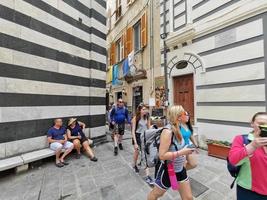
<point>163,36</point>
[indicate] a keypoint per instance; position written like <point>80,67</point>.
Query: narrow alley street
<point>111,178</point>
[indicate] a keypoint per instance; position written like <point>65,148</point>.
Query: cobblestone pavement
<point>111,178</point>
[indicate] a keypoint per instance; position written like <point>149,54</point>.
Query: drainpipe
<point>163,36</point>
<point>152,46</point>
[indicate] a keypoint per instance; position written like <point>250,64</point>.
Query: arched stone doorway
<point>191,59</point>
<point>181,71</point>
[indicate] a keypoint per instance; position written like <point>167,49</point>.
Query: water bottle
<point>172,176</point>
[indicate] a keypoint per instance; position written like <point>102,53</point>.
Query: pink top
<point>253,173</point>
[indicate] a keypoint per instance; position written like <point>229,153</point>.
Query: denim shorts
<point>56,146</point>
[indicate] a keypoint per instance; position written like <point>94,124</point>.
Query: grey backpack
<point>150,140</point>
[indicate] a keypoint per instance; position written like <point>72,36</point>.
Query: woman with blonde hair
<point>172,151</point>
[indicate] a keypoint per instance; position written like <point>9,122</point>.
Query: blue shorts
<point>55,146</point>
<point>162,178</point>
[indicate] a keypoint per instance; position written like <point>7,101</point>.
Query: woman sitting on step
<point>77,137</point>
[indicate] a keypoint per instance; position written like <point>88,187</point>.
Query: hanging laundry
<point>115,75</point>
<point>125,67</point>
<point>110,74</point>
<point>131,59</point>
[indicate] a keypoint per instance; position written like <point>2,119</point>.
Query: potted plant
<point>218,149</point>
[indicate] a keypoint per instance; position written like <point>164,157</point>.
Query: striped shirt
<point>179,161</point>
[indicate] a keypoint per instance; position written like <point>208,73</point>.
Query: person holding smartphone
<point>172,150</point>
<point>252,177</point>
<point>140,123</point>
<point>187,133</point>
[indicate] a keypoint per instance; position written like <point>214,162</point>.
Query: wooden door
<point>184,93</point>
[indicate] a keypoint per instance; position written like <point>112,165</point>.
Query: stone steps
<point>21,162</point>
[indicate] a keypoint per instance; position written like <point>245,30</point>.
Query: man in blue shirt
<point>57,139</point>
<point>118,116</point>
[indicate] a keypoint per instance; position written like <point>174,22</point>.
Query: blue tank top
<point>186,135</point>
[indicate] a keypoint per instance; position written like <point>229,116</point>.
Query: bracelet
<point>173,156</point>
<point>253,145</point>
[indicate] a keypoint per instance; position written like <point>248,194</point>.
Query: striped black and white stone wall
<point>52,64</point>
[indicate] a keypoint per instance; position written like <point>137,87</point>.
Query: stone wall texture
<point>52,64</point>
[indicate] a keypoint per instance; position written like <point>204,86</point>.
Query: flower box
<point>218,150</point>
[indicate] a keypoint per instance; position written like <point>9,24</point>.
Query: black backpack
<point>234,170</point>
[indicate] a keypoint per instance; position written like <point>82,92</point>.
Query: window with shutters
<point>112,54</point>
<point>137,36</point>
<point>124,42</point>
<point>128,41</point>
<point>122,47</point>
<point>144,30</point>
<point>119,50</point>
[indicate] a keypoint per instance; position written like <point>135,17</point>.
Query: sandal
<point>78,156</point>
<point>59,165</point>
<point>64,163</point>
<point>94,159</point>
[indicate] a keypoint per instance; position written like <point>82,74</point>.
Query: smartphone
<point>191,146</point>
<point>263,130</point>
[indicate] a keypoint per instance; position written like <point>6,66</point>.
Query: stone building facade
<point>133,32</point>
<point>52,64</point>
<point>224,46</point>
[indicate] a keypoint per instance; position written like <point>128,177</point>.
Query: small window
<point>137,36</point>
<point>118,3</point>
<point>118,9</point>
<point>119,50</point>
<point>129,2</point>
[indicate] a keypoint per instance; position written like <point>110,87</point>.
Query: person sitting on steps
<point>57,140</point>
<point>76,135</point>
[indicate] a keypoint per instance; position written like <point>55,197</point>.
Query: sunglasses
<point>185,114</point>
<point>120,101</point>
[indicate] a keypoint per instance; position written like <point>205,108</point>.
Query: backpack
<point>234,170</point>
<point>150,140</point>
